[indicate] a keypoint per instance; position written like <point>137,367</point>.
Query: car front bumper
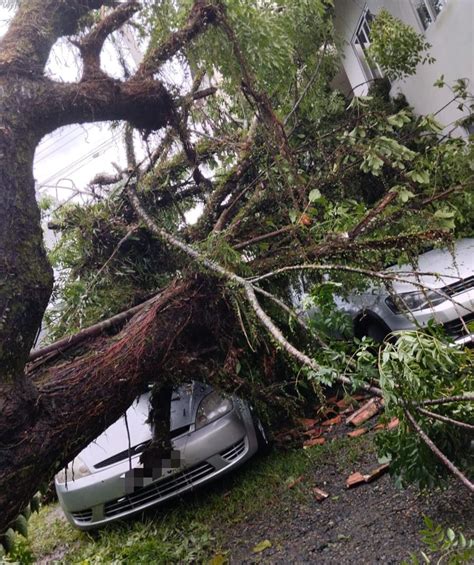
<point>215,449</point>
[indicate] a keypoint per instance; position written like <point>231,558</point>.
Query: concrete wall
<point>451,36</point>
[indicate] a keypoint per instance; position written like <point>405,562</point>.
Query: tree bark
<point>78,399</point>
<point>44,423</point>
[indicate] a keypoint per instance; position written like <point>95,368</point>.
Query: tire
<point>263,442</point>
<point>375,331</point>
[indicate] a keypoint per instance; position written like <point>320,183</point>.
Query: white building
<point>448,26</point>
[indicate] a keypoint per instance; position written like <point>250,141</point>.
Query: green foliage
<point>443,545</point>
<point>102,268</point>
<point>13,543</point>
<point>418,367</point>
<point>396,47</point>
<point>325,317</point>
<point>150,543</point>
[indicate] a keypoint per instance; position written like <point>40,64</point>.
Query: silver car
<point>447,296</point>
<point>211,435</point>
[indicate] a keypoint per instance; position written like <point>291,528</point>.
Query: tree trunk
<point>78,399</point>
<point>46,420</point>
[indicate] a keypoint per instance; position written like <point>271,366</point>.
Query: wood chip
<point>314,441</point>
<point>344,403</point>
<point>393,423</point>
<point>355,479</point>
<point>365,412</point>
<point>376,473</point>
<point>358,478</point>
<point>319,494</point>
<point>297,481</point>
<point>313,432</point>
<point>390,426</point>
<point>333,421</point>
<point>358,432</point>
<point>307,423</point>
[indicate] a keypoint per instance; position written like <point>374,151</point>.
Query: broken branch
<point>439,454</point>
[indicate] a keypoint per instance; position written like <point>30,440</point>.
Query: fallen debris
<point>262,546</point>
<point>355,479</point>
<point>358,432</point>
<point>365,412</point>
<point>332,421</point>
<point>358,478</point>
<point>313,432</point>
<point>295,482</point>
<point>308,423</point>
<point>376,473</point>
<point>320,494</point>
<point>314,441</point>
<point>389,426</point>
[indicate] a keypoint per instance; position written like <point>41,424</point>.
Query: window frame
<point>433,9</point>
<point>371,71</point>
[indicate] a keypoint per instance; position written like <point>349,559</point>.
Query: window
<point>361,42</point>
<point>428,10</point>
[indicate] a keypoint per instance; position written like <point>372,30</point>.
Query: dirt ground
<point>371,523</point>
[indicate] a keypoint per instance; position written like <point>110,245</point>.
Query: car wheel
<point>375,331</point>
<point>262,439</point>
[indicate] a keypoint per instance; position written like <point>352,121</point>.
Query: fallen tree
<point>318,183</point>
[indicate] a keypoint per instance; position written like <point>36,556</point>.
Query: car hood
<point>449,265</point>
<point>184,404</point>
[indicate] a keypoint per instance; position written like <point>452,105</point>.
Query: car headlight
<point>75,470</point>
<point>212,407</point>
<point>417,300</point>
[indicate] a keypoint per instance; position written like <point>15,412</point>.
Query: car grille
<point>456,327</point>
<point>83,515</point>
<point>158,490</point>
<point>235,451</point>
<point>459,286</point>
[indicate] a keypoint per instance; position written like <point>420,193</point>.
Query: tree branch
<point>247,287</point>
<point>448,399</point>
<point>37,24</point>
<point>446,419</point>
<point>67,342</point>
<point>91,45</point>
<point>439,454</point>
<point>202,14</point>
<point>145,103</point>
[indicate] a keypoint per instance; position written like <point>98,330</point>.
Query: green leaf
<point>8,540</point>
<point>20,525</point>
<point>450,534</point>
<point>314,195</point>
<point>262,546</point>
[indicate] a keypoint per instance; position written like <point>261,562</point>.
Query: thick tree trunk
<point>25,274</point>
<point>43,423</point>
<point>80,398</point>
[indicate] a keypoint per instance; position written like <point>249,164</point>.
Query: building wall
<point>451,36</point>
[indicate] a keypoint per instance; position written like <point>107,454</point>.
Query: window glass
<point>423,13</point>
<point>437,5</point>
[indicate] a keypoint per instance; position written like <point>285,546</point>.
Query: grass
<point>189,530</point>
